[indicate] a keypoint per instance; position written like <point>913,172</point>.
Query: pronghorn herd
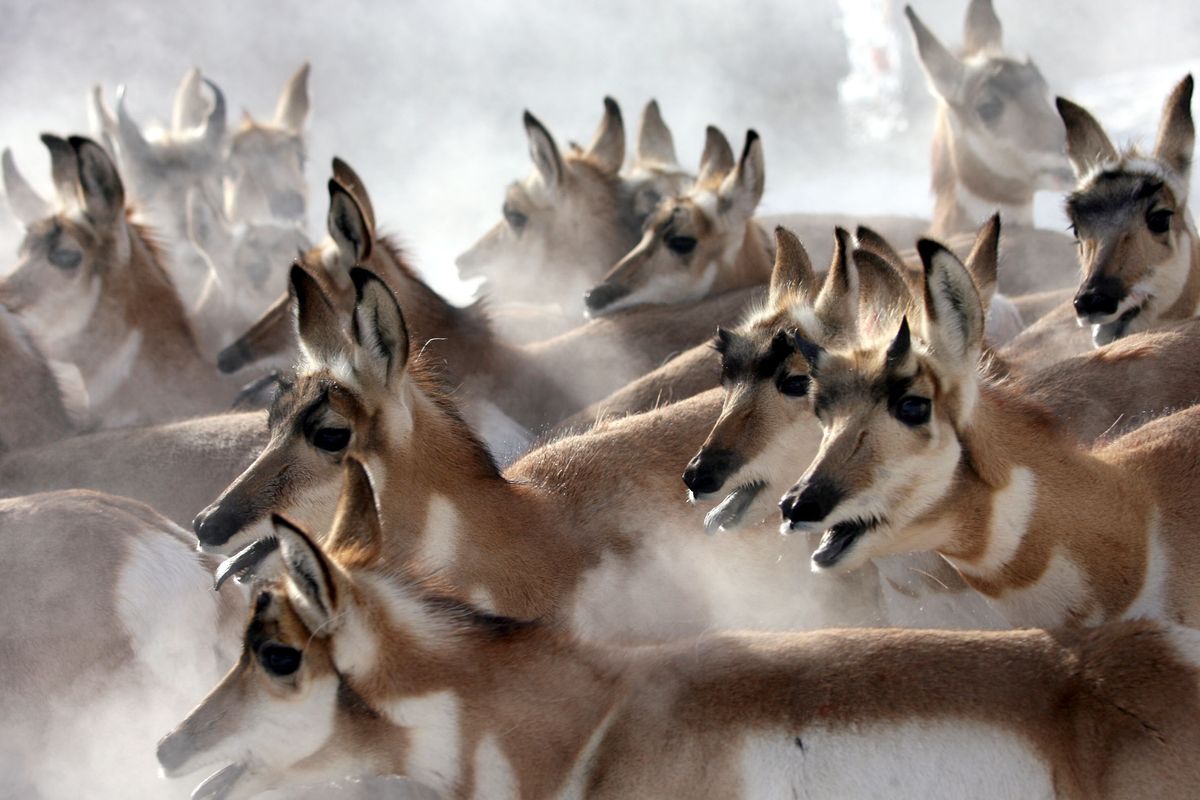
<point>934,535</point>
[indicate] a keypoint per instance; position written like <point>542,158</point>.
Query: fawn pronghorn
<point>34,405</point>
<point>1138,245</point>
<point>923,452</point>
<point>574,215</point>
<point>110,602</point>
<point>535,384</point>
<point>348,668</point>
<point>92,290</point>
<point>996,139</point>
<point>698,243</point>
<point>177,468</point>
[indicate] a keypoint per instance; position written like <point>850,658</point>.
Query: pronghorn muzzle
<point>810,502</point>
<point>603,295</point>
<point>1099,298</point>
<point>708,471</point>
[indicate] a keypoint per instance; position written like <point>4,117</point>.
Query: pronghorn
<point>264,169</point>
<point>996,139</point>
<point>534,384</point>
<point>33,404</point>
<point>574,215</point>
<point>569,531</point>
<point>1138,244</point>
<point>162,168</point>
<point>92,290</point>
<point>110,606</point>
<point>923,452</point>
<point>176,468</point>
<point>698,243</point>
<point>347,669</point>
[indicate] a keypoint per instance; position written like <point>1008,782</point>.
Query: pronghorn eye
<point>279,659</point>
<point>332,440</point>
<point>794,385</point>
<point>913,411</point>
<point>990,109</point>
<point>1159,221</point>
<point>681,244</point>
<point>515,219</point>
<point>64,258</point>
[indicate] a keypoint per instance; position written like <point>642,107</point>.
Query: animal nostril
<point>600,296</point>
<point>707,472</point>
<point>1093,302</point>
<point>812,503</point>
<point>233,357</point>
<point>214,525</point>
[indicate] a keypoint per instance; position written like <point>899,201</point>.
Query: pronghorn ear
<point>953,313</point>
<point>310,582</point>
<point>717,159</point>
<point>318,329</point>
<point>348,225</point>
<point>982,31</point>
<point>26,204</point>
<point>543,151</point>
<point>1176,132</point>
<point>64,167</point>
<point>132,143</point>
<point>101,119</point>
<point>793,270</point>
<point>871,241</point>
<point>188,108</point>
<point>983,260</point>
<point>837,304</point>
<point>945,72</point>
<point>379,329</point>
<point>215,122</point>
<point>655,145</point>
<point>742,189</point>
<point>100,190</point>
<point>356,539</point>
<point>205,227</point>
<point>291,111</point>
<point>608,145</point>
<point>1088,146</point>
<point>348,178</point>
<point>881,287</point>
<point>900,357</point>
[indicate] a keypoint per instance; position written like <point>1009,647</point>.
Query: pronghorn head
<point>352,241</point>
<point>566,222</point>
<point>162,166</point>
<point>893,416</point>
<point>264,170</point>
<point>766,379</point>
<point>1130,216</point>
<point>1003,139</point>
<point>244,256</point>
<point>690,239</point>
<point>335,648</point>
<point>76,251</point>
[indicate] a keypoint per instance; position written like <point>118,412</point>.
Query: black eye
<point>913,411</point>
<point>1159,221</point>
<point>681,244</point>
<point>64,258</point>
<point>793,385</point>
<point>515,219</point>
<point>990,109</point>
<point>331,439</point>
<point>279,659</point>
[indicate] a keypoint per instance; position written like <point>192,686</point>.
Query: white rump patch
<point>918,759</point>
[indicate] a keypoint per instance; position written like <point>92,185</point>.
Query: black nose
<point>233,357</point>
<point>707,472</point>
<point>810,501</point>
<point>288,205</point>
<point>1092,302</point>
<point>215,525</point>
<point>603,295</point>
<point>173,750</point>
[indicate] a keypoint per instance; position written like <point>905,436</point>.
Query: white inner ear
<point>955,305</point>
<point>306,588</point>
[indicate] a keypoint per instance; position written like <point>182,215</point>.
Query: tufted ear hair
<point>953,313</point>
<point>309,578</point>
<point>318,329</point>
<point>837,304</point>
<point>349,225</point>
<point>379,329</point>
<point>101,193</point>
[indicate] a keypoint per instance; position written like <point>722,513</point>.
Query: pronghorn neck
<point>1051,534</point>
<point>469,710</point>
<point>450,512</point>
<point>746,261</point>
<point>966,189</point>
